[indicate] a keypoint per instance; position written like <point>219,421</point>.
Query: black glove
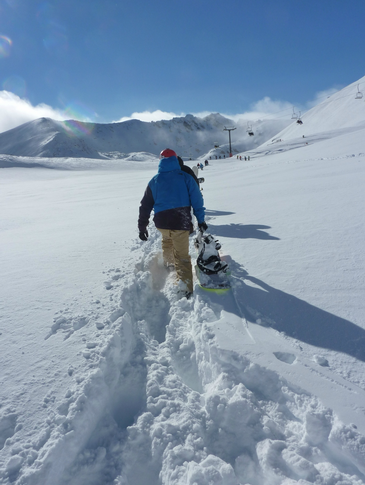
<point>143,235</point>
<point>203,226</point>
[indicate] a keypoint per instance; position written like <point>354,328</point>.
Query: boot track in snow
<point>166,404</point>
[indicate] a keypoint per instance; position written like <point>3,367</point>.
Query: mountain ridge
<point>190,136</point>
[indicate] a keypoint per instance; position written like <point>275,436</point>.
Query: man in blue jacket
<point>171,194</point>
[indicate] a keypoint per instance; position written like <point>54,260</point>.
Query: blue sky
<point>104,60</point>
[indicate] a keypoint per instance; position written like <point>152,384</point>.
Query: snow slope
<point>108,379</point>
<point>338,112</point>
<point>190,136</point>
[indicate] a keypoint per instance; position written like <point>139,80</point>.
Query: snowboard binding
<point>208,260</point>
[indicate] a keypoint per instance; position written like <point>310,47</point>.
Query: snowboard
<point>216,283</point>
<point>211,271</point>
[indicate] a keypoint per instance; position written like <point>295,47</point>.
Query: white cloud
<point>321,96</point>
<point>15,111</point>
<point>268,108</point>
<point>159,115</point>
<point>264,108</point>
<point>156,115</point>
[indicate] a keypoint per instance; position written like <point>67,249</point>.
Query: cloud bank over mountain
<point>190,136</point>
<point>15,110</point>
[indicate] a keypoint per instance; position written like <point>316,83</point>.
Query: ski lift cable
<point>325,96</point>
<point>286,110</point>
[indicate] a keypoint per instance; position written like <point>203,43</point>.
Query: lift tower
<point>229,135</point>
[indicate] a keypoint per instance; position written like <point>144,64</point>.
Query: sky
<point>105,61</point>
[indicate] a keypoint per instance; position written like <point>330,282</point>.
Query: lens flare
<point>81,119</point>
<point>15,84</point>
<point>13,3</point>
<point>56,42</point>
<point>75,128</point>
<point>5,45</point>
<point>55,39</point>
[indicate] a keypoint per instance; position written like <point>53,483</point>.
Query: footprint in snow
<point>68,324</point>
<point>7,427</point>
<point>285,357</point>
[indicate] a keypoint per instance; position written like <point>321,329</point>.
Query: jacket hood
<point>168,164</point>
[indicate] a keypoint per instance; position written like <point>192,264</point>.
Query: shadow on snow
<point>242,231</point>
<point>297,318</point>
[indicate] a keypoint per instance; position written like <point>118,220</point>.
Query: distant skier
<point>172,193</point>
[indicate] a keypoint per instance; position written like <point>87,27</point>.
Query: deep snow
<point>108,379</point>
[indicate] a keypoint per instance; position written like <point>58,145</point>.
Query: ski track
<point>162,403</point>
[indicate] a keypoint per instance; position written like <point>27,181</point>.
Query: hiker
<point>188,170</point>
<point>172,193</point>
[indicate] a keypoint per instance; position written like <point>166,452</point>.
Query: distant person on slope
<point>172,193</point>
<point>191,172</point>
<point>187,169</point>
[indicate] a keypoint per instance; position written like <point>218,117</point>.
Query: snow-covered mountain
<point>108,379</point>
<point>190,136</point>
<point>344,110</point>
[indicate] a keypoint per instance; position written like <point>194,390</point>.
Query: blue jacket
<point>171,194</point>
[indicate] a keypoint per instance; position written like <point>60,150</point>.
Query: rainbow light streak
<point>75,128</point>
<point>80,119</point>
<point>5,45</point>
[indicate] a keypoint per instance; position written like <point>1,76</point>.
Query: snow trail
<point>166,402</point>
<point>210,415</point>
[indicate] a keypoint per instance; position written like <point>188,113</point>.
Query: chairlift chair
<point>249,129</point>
<point>294,116</point>
<point>299,121</point>
<point>359,93</point>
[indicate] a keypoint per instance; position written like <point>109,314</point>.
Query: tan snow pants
<point>175,248</point>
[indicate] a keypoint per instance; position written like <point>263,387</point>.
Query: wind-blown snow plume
<point>15,111</point>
